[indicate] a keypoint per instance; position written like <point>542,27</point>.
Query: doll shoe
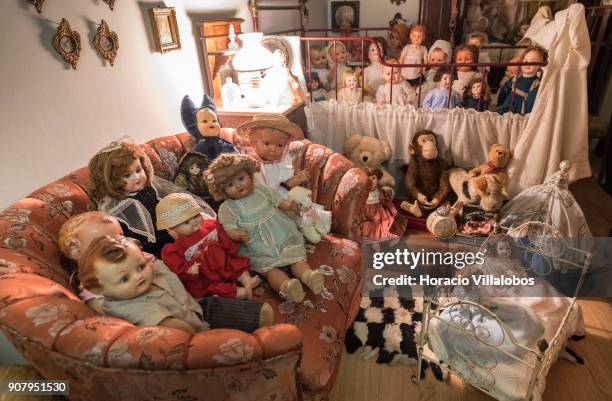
<point>314,280</point>
<point>292,290</point>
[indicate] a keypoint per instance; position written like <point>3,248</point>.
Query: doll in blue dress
<point>255,216</point>
<point>439,98</point>
<point>523,90</point>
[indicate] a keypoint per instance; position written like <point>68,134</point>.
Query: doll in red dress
<point>204,258</point>
<point>380,214</point>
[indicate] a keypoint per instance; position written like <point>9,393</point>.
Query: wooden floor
<point>361,380</point>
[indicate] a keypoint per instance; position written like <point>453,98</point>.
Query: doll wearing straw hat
<point>202,255</point>
<point>270,136</point>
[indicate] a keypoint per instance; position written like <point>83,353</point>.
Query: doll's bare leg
<point>266,315</point>
<point>313,279</point>
<point>249,281</point>
<point>412,208</point>
<point>289,288</point>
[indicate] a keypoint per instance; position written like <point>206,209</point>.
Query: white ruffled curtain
<point>466,133</point>
<point>555,130</point>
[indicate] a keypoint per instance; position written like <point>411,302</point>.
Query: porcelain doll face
<point>341,55</point>
<point>313,85</point>
<point>350,82</point>
<point>194,169</point>
<point>135,177</point>
<point>373,182</point>
<point>394,39</point>
<point>318,58</point>
<point>476,89</point>
<point>208,123</point>
<point>438,56</point>
<point>239,186</point>
<point>531,57</point>
<point>465,57</point>
<point>188,227</point>
<point>417,37</point>
<point>512,70</point>
<point>269,143</point>
<point>502,248</point>
<point>475,41</point>
<point>392,77</point>
<point>128,278</point>
<point>446,81</point>
<point>374,53</point>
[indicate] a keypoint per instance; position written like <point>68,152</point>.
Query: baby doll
<point>465,55</point>
<point>439,98</point>
<point>203,256</point>
<point>441,52</point>
<point>337,57</point>
<point>511,72</point>
<point>380,214</point>
<point>414,53</point>
<point>270,136</point>
<point>252,214</point>
<point>372,74</point>
<point>476,96</point>
<point>398,38</point>
<point>318,64</point>
<point>135,289</point>
<point>204,126</point>
<point>189,173</point>
<point>402,92</point>
<point>524,88</point>
<point>350,92</point>
<point>478,40</point>
<point>316,89</point>
<point>124,185</point>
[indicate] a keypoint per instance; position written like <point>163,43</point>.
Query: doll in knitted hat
<point>270,136</point>
<point>254,215</point>
<point>202,255</point>
<point>204,126</point>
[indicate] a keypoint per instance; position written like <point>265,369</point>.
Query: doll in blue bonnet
<point>204,126</point>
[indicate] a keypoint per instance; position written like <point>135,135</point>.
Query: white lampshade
<point>252,56</point>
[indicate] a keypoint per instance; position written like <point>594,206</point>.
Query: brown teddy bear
<point>369,151</point>
<point>498,159</point>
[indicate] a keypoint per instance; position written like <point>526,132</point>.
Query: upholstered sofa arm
<point>39,310</point>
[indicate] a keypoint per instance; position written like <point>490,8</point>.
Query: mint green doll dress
<point>274,237</point>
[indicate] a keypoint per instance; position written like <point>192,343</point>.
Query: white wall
<point>378,13</point>
<point>54,118</point>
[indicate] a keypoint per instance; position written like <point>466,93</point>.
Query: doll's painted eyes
<point>141,267</point>
<point>124,279</point>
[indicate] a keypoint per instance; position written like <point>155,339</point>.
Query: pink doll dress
<point>220,264</point>
<point>379,217</point>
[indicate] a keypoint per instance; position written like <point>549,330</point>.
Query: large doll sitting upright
<point>203,124</point>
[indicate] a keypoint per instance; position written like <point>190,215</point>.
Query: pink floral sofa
<point>107,358</point>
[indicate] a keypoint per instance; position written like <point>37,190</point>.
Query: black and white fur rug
<point>386,327</point>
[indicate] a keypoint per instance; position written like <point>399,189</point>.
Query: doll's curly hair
<point>224,168</point>
<point>491,246</point>
<point>107,168</point>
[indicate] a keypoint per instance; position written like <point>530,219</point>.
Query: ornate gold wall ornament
<point>67,43</point>
<point>111,4</point>
<point>106,42</point>
<point>38,4</point>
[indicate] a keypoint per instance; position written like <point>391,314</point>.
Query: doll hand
<point>244,236</point>
<point>422,199</point>
<point>302,176</point>
<point>194,269</point>
<point>244,293</point>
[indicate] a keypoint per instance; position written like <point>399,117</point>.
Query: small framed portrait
<point>345,14</point>
<point>165,29</point>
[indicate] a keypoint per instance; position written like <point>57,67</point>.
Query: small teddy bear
<point>314,222</point>
<point>498,159</point>
<point>368,151</point>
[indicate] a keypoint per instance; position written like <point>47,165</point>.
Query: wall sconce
<point>251,63</point>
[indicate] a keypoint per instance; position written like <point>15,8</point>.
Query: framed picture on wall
<point>345,14</point>
<point>165,29</point>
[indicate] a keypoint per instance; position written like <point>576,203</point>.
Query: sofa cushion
<point>323,319</point>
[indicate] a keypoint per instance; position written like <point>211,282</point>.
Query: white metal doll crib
<point>474,335</point>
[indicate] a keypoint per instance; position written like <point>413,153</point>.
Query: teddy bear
<point>369,151</point>
<point>314,222</point>
<point>498,159</point>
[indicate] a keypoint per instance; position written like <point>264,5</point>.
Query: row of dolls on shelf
<point>437,87</point>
